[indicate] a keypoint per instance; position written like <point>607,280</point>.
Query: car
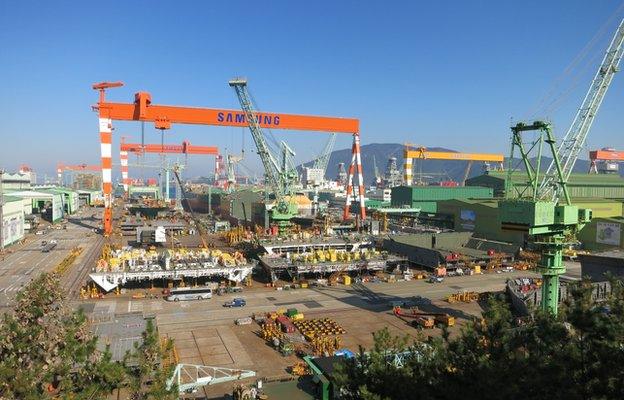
<point>39,233</point>
<point>436,279</point>
<point>237,302</point>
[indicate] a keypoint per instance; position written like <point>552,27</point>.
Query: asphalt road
<point>365,296</point>
<point>27,260</point>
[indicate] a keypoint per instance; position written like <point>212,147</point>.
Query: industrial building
<point>602,234</point>
<point>482,217</point>
<point>12,220</point>
<point>17,181</point>
<point>426,197</point>
<point>47,203</point>
<point>585,186</point>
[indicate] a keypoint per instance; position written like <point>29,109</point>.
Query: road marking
<point>129,305</point>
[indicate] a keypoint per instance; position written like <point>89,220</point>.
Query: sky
<point>451,74</point>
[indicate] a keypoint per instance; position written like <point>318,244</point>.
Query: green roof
<point>575,179</point>
<point>8,199</point>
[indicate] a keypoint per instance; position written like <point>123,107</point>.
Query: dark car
<point>238,302</point>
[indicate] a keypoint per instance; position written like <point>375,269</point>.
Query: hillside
<point>432,169</point>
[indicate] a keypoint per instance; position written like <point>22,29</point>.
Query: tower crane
<point>545,213</point>
<point>574,139</point>
<point>323,159</point>
<point>279,175</point>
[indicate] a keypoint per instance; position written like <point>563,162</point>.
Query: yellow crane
<point>421,153</point>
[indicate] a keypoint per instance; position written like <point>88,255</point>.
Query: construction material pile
<point>314,328</point>
<point>132,259</point>
<point>333,255</point>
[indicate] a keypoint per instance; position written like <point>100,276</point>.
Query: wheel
<point>199,298</point>
<point>176,299</point>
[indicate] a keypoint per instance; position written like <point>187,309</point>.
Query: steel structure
<point>574,139</point>
<point>163,117</point>
<point>421,153</point>
<point>281,178</point>
<point>60,168</point>
<point>323,160</point>
<point>185,148</point>
<point>609,157</point>
<point>189,377</point>
<point>548,225</point>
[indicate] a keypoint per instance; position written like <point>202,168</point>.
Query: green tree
<point>46,349</point>
<point>577,355</point>
<point>148,376</point>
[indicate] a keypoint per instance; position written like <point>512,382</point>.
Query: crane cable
<point>551,101</point>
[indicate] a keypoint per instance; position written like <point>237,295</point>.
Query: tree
<point>148,377</point>
<point>578,355</point>
<point>46,349</point>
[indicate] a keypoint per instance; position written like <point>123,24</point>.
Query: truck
<point>237,302</point>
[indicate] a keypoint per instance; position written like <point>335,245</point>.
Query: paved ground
<point>25,261</point>
<point>205,333</point>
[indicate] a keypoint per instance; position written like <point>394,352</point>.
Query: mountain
<point>432,170</point>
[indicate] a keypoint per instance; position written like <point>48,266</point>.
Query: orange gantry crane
<point>163,117</point>
<point>421,153</point>
<point>608,159</point>
<point>60,168</point>
<point>185,148</point>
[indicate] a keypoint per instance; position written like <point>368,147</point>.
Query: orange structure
<point>609,157</point>
<point>60,167</point>
<point>163,117</point>
<point>185,148</point>
<point>423,154</point>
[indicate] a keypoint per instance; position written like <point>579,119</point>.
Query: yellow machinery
<point>466,297</point>
<point>67,262</point>
<point>421,153</point>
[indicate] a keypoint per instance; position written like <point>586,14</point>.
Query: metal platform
<point>111,279</point>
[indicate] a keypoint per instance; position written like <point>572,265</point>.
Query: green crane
<point>541,207</point>
<point>280,174</point>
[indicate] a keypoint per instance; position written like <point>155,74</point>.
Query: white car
<point>39,233</point>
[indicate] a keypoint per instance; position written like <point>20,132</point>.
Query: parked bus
<point>188,293</point>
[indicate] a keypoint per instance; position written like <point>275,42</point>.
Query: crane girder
<point>574,139</point>
<point>184,148</point>
<point>423,153</point>
<point>163,116</point>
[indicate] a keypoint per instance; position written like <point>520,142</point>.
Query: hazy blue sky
<point>448,74</point>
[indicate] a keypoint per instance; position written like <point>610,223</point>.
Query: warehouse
<point>12,220</point>
<point>602,234</point>
<point>480,217</point>
<point>587,186</point>
<point>425,197</point>
<point>17,181</point>
<point>69,198</point>
<point>48,204</point>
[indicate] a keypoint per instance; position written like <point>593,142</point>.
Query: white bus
<point>189,293</point>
